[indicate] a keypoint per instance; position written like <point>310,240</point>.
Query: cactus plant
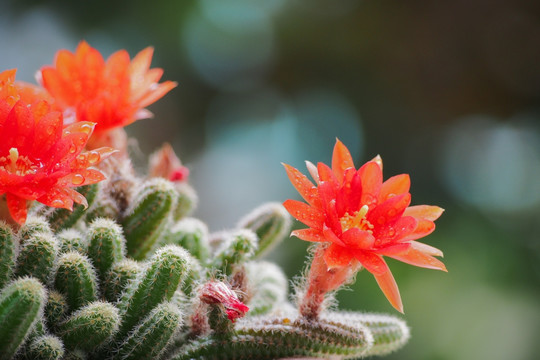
<point>124,274</point>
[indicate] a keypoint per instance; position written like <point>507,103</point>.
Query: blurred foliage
<point>445,91</point>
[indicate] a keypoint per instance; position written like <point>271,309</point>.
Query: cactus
<point>148,215</point>
<point>71,240</point>
<point>76,279</point>
<point>90,326</point>
<point>149,339</point>
<point>270,222</point>
<point>46,347</point>
<point>105,245</point>
<point>235,248</point>
<point>34,224</point>
<point>8,247</point>
<point>21,305</point>
<point>37,256</point>
<point>268,287</point>
<point>118,277</point>
<point>163,274</point>
<point>192,235</point>
<point>56,309</point>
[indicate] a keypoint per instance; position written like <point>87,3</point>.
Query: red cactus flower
<point>110,93</point>
<point>217,292</point>
<point>360,218</point>
<point>40,159</point>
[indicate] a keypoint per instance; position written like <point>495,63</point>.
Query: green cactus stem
<point>106,245</point>
<point>353,336</point>
<point>71,240</point>
<point>267,285</point>
<point>150,338</point>
<point>37,256</point>
<point>158,282</point>
<point>187,200</point>
<point>270,222</point>
<point>91,326</point>
<point>235,248</point>
<point>8,247</point>
<point>34,224</point>
<point>148,216</point>
<point>46,347</point>
<point>192,235</point>
<point>120,274</point>
<point>56,309</point>
<point>76,279</point>
<point>21,303</point>
<point>64,218</point>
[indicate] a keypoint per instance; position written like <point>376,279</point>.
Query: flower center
<point>16,164</point>
<point>356,220</point>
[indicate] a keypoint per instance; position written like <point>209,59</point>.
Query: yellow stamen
<point>356,220</point>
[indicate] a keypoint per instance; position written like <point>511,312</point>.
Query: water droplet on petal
<point>57,203</point>
<point>86,128</point>
<point>391,232</point>
<point>72,149</point>
<point>381,220</point>
<point>77,179</point>
<point>93,157</point>
<point>392,212</point>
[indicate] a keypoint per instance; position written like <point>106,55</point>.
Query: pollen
<point>356,220</point>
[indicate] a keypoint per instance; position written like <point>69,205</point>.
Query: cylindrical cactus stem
<point>389,333</point>
<point>8,253</point>
<point>45,347</point>
<point>76,279</point>
<point>37,256</point>
<point>192,235</point>
<point>34,224</point>
<point>277,337</point>
<point>105,245</point>
<point>21,305</point>
<point>118,277</point>
<point>64,218</point>
<point>236,248</point>
<point>91,326</point>
<point>148,215</point>
<point>271,222</point>
<point>149,339</point>
<point>158,281</point>
<point>267,285</point>
<point>56,309</point>
<point>187,200</point>
<point>71,240</point>
<point>76,354</point>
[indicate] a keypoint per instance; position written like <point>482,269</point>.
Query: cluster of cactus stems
<point>128,273</point>
<point>134,277</point>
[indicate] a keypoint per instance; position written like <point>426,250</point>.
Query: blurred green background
<point>446,91</point>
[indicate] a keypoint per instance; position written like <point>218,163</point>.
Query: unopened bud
<point>164,163</point>
<point>217,292</point>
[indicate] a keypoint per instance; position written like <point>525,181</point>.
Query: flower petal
<point>371,261</point>
<point>426,249</point>
<point>18,207</point>
<point>305,213</point>
<point>418,258</point>
<point>427,212</point>
<point>309,234</point>
<point>358,239</point>
<point>305,188</point>
<point>388,285</point>
<point>371,176</point>
<point>423,228</point>
<point>341,160</point>
<point>337,256</point>
<point>396,185</point>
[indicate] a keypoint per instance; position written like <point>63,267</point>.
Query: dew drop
<point>72,149</point>
<point>381,220</point>
<point>50,130</point>
<point>392,212</point>
<point>93,157</point>
<point>57,203</point>
<point>391,232</point>
<point>77,179</point>
<point>86,128</point>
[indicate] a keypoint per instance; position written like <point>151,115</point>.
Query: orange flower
<point>110,93</point>
<point>360,218</point>
<point>39,158</point>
